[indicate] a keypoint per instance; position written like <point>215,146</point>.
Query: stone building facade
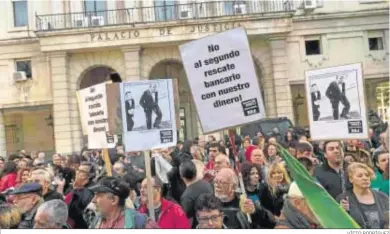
<point>69,49</point>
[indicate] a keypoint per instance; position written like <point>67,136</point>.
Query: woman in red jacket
<point>168,214</point>
<point>8,176</point>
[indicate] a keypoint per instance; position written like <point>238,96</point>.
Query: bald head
<point>227,175</point>
<point>221,161</point>
<point>225,184</point>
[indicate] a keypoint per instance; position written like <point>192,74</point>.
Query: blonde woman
<point>368,207</point>
<point>272,193</point>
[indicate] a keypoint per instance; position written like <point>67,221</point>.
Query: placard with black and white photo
<point>336,103</point>
<point>148,114</point>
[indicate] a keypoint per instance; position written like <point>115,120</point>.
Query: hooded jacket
<point>172,216</point>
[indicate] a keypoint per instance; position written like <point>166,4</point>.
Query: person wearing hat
<point>27,198</point>
<point>110,198</point>
<point>296,213</point>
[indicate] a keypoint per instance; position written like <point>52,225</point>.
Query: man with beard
<point>149,101</point>
<point>236,208</point>
<point>332,174</point>
<point>110,198</point>
<point>336,94</point>
<point>296,212</point>
<point>27,198</point>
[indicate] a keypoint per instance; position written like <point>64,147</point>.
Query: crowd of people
<point>195,185</point>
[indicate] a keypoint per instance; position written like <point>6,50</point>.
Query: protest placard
<point>336,103</point>
<point>148,114</point>
<point>94,116</point>
<point>223,80</point>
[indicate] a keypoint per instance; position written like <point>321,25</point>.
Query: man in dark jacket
<point>27,199</point>
<point>296,213</point>
<point>194,189</point>
<point>80,196</point>
<point>332,174</point>
<point>176,183</point>
<point>149,101</point>
<point>336,94</point>
<point>236,208</point>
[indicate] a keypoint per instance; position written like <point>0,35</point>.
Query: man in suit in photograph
<point>315,101</point>
<point>149,101</point>
<point>129,107</point>
<point>336,94</point>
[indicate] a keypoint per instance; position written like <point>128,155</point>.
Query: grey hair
<point>57,211</point>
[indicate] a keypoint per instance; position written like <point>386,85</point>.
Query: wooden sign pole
<point>232,137</point>
<point>148,172</point>
<point>107,162</point>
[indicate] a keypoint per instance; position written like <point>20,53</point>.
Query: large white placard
<point>223,80</point>
<point>336,103</point>
<point>94,116</point>
<point>148,114</point>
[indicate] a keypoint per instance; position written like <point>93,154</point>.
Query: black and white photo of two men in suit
<point>149,102</point>
<point>336,94</point>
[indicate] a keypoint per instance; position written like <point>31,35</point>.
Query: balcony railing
<point>161,13</point>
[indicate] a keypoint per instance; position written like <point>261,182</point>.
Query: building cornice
<point>24,105</point>
<point>113,28</point>
<point>19,41</point>
<point>340,15</point>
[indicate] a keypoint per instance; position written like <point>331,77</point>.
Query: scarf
<point>294,218</point>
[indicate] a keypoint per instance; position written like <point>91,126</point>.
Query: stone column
<point>132,58</point>
<point>61,102</point>
<point>284,105</point>
<point>3,146</point>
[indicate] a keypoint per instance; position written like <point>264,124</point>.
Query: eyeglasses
<point>220,182</point>
<point>207,219</point>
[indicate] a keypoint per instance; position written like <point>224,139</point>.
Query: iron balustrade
<point>162,12</point>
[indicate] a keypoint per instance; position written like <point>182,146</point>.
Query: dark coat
<point>333,91</point>
<point>273,203</point>
<point>331,180</point>
<point>27,220</point>
<point>381,201</point>
<point>147,101</point>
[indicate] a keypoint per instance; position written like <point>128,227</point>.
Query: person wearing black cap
<point>28,198</point>
<point>110,197</point>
